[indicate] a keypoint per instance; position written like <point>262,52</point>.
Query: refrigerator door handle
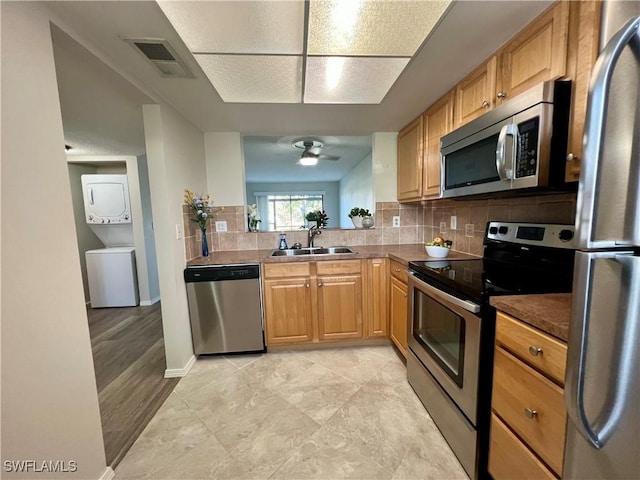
<point>594,129</point>
<point>578,346</point>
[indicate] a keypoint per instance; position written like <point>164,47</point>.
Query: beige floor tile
<point>174,431</point>
<point>275,369</point>
<point>205,371</point>
<point>243,360</point>
<point>327,456</point>
<point>318,392</point>
<point>431,459</point>
<point>382,426</point>
<point>357,364</point>
<point>209,460</point>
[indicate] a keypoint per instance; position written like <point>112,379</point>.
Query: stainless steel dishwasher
<point>225,309</point>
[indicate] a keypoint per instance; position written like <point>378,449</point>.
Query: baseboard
<point>180,372</point>
<point>108,474</point>
<point>148,303</point>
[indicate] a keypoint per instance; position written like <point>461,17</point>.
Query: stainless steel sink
<point>291,252</point>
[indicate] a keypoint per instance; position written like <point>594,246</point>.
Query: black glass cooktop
<point>464,276</point>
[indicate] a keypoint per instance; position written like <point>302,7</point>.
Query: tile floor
<point>323,414</point>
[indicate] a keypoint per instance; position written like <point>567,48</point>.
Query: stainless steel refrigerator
<point>602,385</point>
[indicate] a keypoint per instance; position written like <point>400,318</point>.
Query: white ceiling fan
<point>311,152</point>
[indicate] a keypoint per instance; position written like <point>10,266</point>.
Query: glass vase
<point>205,245</point>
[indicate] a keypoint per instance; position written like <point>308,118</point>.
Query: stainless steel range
<point>451,325</point>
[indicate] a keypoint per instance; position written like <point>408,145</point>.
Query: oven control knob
<point>503,230</point>
<point>565,235</point>
<point>493,230</point>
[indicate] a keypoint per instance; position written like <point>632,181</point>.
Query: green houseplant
<point>357,214</point>
<point>318,216</point>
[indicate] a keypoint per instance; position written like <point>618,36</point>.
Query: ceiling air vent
<point>161,55</point>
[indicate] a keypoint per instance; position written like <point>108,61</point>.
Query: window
<point>286,211</point>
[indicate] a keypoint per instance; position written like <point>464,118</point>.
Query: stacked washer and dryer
<point>111,271</point>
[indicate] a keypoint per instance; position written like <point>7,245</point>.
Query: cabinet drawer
<point>509,458</point>
<point>518,389</point>
<point>339,267</point>
<point>398,270</point>
<point>292,269</point>
<point>533,346</point>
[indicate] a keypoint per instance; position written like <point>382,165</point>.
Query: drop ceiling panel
<point>359,27</point>
<point>350,79</point>
<point>238,27</point>
<point>254,78</point>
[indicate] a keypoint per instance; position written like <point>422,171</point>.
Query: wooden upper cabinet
<point>536,54</point>
<point>476,93</point>
<point>438,121</point>
<point>584,35</point>
<point>410,152</point>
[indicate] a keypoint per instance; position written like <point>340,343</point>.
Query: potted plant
<point>357,214</point>
<point>319,217</point>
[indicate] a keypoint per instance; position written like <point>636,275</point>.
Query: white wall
<point>176,160</point>
<point>225,167</point>
<point>147,228</point>
<point>385,176</point>
<point>356,190</point>
<point>87,240</point>
<point>331,197</point>
<point>49,398</point>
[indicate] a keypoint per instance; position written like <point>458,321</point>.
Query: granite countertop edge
<point>549,312</point>
<point>404,254</point>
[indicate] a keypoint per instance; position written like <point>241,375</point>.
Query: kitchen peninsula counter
<point>548,312</point>
<point>400,253</point>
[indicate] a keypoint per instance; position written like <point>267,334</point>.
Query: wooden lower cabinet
<point>376,298</point>
<point>339,307</point>
<point>325,304</point>
<point>510,458</point>
<point>528,412</point>
<point>398,314</point>
<point>287,311</point>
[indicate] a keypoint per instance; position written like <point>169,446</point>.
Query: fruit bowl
<point>437,252</point>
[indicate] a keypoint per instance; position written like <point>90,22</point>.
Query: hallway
<point>129,360</point>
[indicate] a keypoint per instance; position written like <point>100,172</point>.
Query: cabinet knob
<point>306,285</point>
<point>501,95</point>
<point>530,413</point>
<point>405,295</point>
<point>319,284</point>
<point>535,351</point>
<point>397,269</point>
<point>571,157</point>
<point>485,104</point>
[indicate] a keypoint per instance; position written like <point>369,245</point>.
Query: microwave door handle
<point>594,129</point>
<point>509,130</point>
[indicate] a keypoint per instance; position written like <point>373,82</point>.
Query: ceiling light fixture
<point>308,161</point>
<point>344,18</point>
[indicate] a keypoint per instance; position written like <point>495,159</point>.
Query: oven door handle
<point>437,293</point>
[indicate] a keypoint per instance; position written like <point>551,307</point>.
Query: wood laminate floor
<point>129,361</point>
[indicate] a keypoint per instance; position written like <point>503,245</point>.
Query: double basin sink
<point>291,252</point>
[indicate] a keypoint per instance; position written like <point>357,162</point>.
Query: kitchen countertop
<point>548,312</point>
<point>400,253</point>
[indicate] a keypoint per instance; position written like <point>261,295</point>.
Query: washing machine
<point>111,273</point>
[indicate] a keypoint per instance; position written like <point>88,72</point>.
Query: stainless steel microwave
<point>521,144</point>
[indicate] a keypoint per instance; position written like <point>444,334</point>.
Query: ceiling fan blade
<point>322,156</point>
<point>309,154</point>
<point>314,150</point>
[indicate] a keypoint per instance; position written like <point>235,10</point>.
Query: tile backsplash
<point>418,223</point>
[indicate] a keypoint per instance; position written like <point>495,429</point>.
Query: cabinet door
<point>287,311</point>
<point>398,313</point>
<point>375,298</point>
<point>584,32</point>
<point>475,94</point>
<point>339,307</point>
<point>438,121</point>
<point>410,151</point>
<point>536,54</point>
